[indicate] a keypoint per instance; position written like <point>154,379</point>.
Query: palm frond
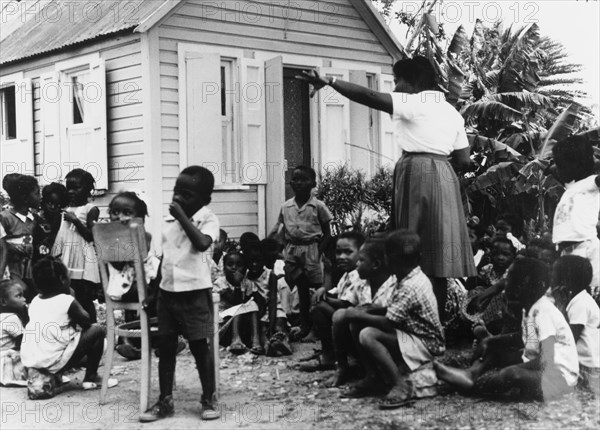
<point>490,110</point>
<point>522,100</point>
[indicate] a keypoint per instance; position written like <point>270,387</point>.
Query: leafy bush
<point>379,192</point>
<point>342,189</point>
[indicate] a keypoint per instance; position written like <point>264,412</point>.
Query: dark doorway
<point>296,124</point>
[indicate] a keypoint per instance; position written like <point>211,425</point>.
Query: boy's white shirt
<point>543,321</point>
<point>577,211</point>
<point>582,310</point>
<point>183,267</point>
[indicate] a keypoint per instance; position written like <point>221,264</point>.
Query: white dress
<point>76,253</point>
<point>49,339</point>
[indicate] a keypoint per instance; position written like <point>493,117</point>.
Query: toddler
<point>13,310</point>
<point>54,200</point>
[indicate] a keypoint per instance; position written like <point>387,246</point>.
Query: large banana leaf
<point>498,150</point>
<point>490,110</point>
<point>561,129</point>
<point>494,180</point>
<point>522,100</point>
<point>516,72</point>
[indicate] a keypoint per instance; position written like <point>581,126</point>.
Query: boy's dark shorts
<point>189,313</point>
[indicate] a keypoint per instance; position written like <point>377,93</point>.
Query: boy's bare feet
<point>460,378</point>
<point>342,375</point>
<point>310,337</point>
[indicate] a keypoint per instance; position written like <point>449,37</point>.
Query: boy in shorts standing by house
<point>185,296</point>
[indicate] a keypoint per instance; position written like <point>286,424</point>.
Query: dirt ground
<point>267,393</point>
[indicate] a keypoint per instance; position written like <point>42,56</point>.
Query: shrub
<point>379,192</point>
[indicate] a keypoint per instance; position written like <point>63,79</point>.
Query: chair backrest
<point>122,242</point>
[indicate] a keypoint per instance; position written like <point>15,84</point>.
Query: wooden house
<point>133,91</point>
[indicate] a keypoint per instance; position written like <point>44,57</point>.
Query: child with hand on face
<point>305,223</point>
<point>17,224</point>
<point>327,302</point>
<point>13,312</point>
<point>185,303</point>
<point>74,241</point>
<point>572,276</point>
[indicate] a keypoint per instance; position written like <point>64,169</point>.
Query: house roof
<point>34,27</point>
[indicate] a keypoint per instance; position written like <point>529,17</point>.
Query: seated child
<point>576,215</point>
<point>543,250</point>
<point>409,335</point>
<point>483,304</point>
<point>510,226</point>
<point>327,302</point>
<point>216,264</point>
<point>372,298</point>
<point>548,367</point>
<point>261,283</point>
<point>248,239</point>
<point>572,275</point>
<point>13,311</point>
<point>272,252</point>
<point>54,200</point>
<point>73,336</point>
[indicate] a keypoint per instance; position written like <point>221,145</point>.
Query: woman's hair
<point>56,188</point>
<point>49,274</point>
<point>573,272</point>
<point>574,158</point>
<point>531,277</point>
<point>141,210</point>
<point>375,249</point>
<point>417,71</point>
<point>405,244</point>
<point>354,236</point>
<point>86,178</point>
<point>19,187</point>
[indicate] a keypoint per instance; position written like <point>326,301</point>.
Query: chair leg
<point>215,343</point>
<point>110,350</point>
<point>146,362</point>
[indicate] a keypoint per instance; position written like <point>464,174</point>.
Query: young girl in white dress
<point>74,241</point>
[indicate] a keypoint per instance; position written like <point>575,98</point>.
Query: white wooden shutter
<point>86,143</point>
<point>389,152</point>
<point>275,188</point>
<point>50,168</point>
<point>334,121</point>
<point>203,113</point>
<point>252,96</point>
<point>361,150</point>
<point>16,154</point>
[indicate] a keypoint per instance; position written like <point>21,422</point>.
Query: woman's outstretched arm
<point>356,93</point>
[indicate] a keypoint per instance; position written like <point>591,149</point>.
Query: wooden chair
<point>125,242</point>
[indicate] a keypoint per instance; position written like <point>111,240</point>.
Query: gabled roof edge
<point>162,11</point>
<point>380,28</point>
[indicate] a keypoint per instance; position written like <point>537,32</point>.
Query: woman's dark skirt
<point>427,200</point>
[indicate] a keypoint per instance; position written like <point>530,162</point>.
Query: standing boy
<point>185,296</point>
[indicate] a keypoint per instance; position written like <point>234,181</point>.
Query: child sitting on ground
<point>483,304</point>
<point>216,263</point>
<point>548,367</point>
<point>327,302</point>
<point>576,215</point>
<point>54,200</point>
<point>74,335</point>
<point>305,223</point>
<point>543,250</point>
<point>17,224</point>
<point>13,311</point>
<point>510,226</point>
<point>373,298</point>
<point>408,336</point>
<point>572,275</point>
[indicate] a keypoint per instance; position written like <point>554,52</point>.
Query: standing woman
<point>426,196</point>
